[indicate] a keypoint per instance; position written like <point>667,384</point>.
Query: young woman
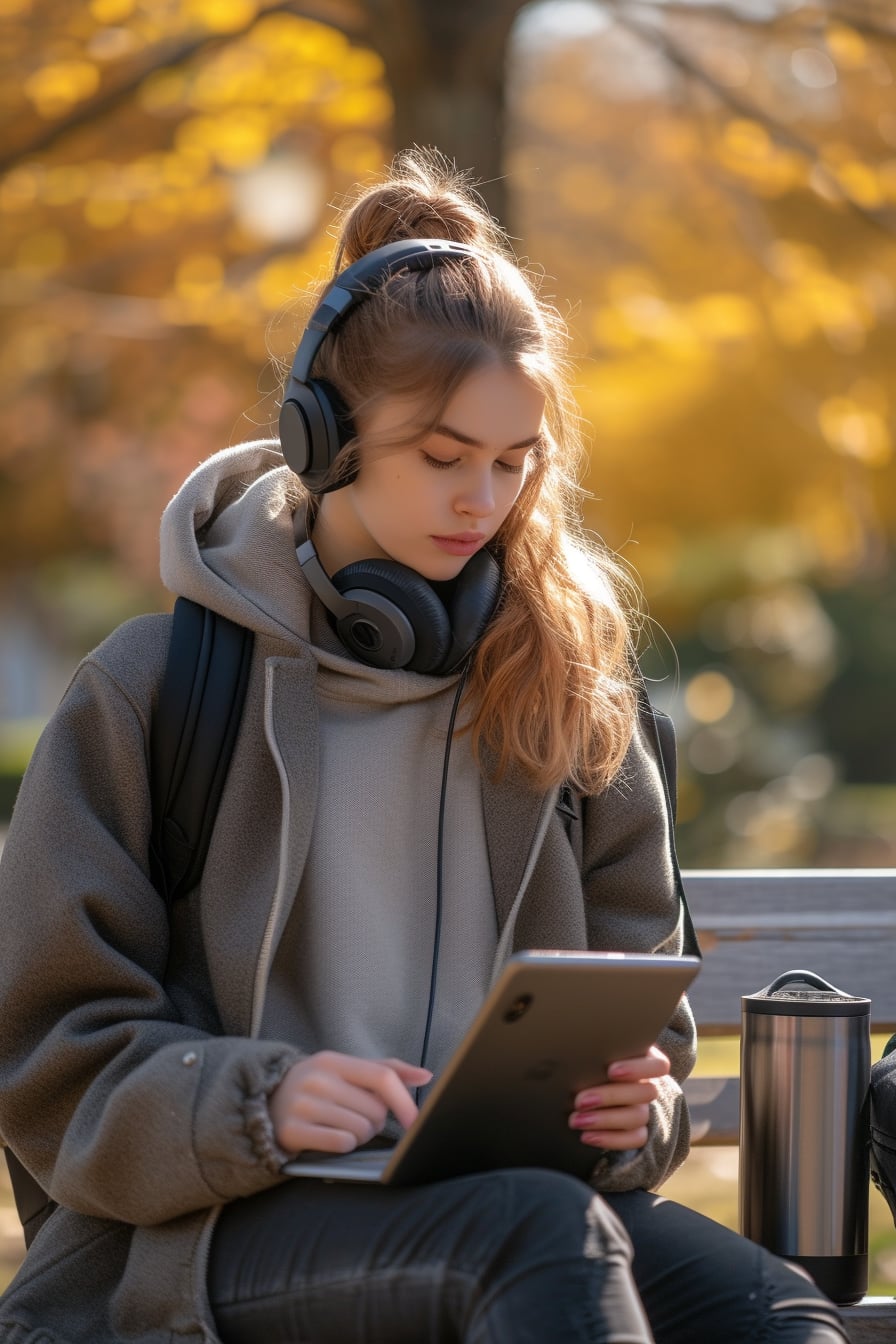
<point>158,1067</point>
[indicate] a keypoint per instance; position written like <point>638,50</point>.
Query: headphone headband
<point>356,283</point>
<point>313,423</point>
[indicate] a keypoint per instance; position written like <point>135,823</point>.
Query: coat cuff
<point>667,1146</point>
<point>260,1125</point>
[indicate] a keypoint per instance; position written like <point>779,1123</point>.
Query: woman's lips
<point>462,543</point>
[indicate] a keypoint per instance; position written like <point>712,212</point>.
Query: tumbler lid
<point>805,994</point>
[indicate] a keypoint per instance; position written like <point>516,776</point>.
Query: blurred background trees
<point>710,190</point>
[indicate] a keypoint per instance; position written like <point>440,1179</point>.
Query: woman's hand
<point>615,1113</point>
<point>331,1103</point>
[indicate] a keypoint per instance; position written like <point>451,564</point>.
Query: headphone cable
<point>462,680</point>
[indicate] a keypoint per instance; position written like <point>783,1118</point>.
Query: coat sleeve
<point>632,905</point>
<point>116,1105</point>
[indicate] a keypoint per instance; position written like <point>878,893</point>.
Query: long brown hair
<point>550,686</point>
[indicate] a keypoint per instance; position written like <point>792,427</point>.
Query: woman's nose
<point>477,498</point>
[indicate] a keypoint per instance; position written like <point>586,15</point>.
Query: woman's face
<point>433,505</point>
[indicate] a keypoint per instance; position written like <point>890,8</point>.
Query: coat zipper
<point>263,965</point>
<point>502,952</point>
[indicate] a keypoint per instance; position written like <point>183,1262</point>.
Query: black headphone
<point>386,614</point>
<point>314,421</point>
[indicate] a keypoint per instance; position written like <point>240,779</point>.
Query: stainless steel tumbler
<point>805,1069</point>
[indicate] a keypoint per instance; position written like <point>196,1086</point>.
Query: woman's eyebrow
<point>456,434</point>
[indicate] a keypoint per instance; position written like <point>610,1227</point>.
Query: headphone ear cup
<point>472,605</point>
<point>328,396</point>
<point>314,425</point>
<point>307,432</point>
<point>413,599</point>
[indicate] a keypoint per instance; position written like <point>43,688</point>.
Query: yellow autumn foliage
<point>220,16</point>
<point>721,244</point>
<point>56,87</point>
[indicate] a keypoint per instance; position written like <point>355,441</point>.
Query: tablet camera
<point>519,1006</point>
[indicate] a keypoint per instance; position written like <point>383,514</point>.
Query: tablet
<point>549,1027</point>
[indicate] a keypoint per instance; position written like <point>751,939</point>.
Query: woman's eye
<point>444,464</point>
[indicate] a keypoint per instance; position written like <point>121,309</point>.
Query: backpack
<point>191,740</point>
<point>883,1124</point>
<point>192,736</point>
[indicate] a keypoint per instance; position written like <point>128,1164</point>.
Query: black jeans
<point>506,1257</point>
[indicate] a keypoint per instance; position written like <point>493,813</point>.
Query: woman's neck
<point>338,535</point>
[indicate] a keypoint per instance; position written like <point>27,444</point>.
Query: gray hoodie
<point>134,1074</point>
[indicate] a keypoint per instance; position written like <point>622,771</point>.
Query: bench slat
<point>871,1320</point>
<point>714,1106</point>
<point>743,966</point>
<point>778,889</point>
<point>753,924</point>
<point>838,923</point>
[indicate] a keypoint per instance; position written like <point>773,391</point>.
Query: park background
<point>709,189</point>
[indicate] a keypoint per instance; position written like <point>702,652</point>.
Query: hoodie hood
<point>228,542</point>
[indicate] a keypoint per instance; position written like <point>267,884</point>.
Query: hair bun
<point>423,196</point>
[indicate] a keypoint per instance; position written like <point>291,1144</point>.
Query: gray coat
<point>133,1082</point>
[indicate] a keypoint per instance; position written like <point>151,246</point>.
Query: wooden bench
<point>756,924</point>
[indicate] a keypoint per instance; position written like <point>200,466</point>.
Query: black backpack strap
<point>191,740</point>
<point>660,733</point>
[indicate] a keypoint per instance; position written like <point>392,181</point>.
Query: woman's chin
<point>443,569</point>
<point>436,566</point>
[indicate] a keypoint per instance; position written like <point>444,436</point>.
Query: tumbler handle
<point>809,978</point>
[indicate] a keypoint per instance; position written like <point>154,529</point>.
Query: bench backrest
<point>754,924</point>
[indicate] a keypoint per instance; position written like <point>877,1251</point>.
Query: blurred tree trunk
<point>445,65</point>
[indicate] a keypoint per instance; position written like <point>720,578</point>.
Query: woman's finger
<point>357,1092</point>
<point>414,1074</point>
<point>616,1140</point>
<point>381,1077</point>
<point>615,1094</point>
<point>618,1117</point>
<point>616,1128</point>
<point>320,1087</point>
<point>325,1128</point>
<point>652,1065</point>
